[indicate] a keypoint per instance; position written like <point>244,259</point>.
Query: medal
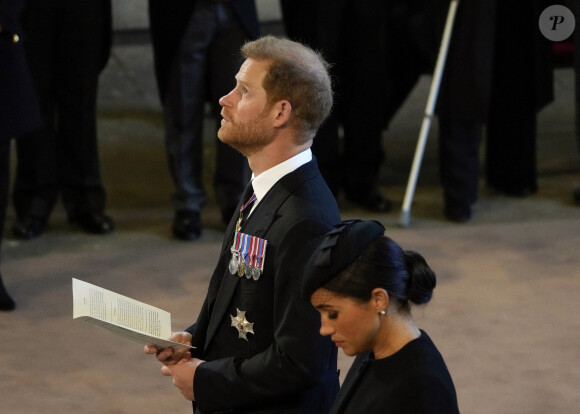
<point>244,246</point>
<point>233,265</point>
<point>252,273</point>
<point>243,326</point>
<point>241,268</point>
<point>251,258</point>
<point>258,262</point>
<point>247,256</point>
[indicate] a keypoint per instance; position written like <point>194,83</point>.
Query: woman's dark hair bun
<point>422,279</point>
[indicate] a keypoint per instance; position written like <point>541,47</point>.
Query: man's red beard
<point>247,137</point>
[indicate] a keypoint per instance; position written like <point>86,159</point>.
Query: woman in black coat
<point>19,113</point>
<point>363,284</point>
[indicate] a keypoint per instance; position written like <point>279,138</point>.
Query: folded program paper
<point>122,315</point>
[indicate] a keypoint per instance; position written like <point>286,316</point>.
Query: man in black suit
<point>67,45</point>
<point>351,35</point>
<point>19,112</point>
<point>498,72</point>
<point>195,45</point>
<point>257,346</point>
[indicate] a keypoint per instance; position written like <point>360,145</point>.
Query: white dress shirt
<point>265,181</point>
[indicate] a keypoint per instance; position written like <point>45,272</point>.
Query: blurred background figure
<point>522,84</point>
<point>196,47</point>
<point>379,51</point>
<point>351,35</point>
<point>574,6</point>
<point>68,44</point>
<point>463,103</point>
<point>20,112</point>
<point>497,74</point>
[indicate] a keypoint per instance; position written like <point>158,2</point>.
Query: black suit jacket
<point>168,21</point>
<point>286,366</point>
<point>20,112</point>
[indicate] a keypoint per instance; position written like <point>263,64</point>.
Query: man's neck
<point>271,156</point>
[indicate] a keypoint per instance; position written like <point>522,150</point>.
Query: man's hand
<point>171,356</point>
<point>183,373</point>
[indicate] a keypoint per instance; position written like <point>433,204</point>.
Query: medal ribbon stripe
<point>261,253</point>
<point>245,245</point>
<point>247,256</point>
<point>252,258</point>
<point>250,201</point>
<point>237,244</point>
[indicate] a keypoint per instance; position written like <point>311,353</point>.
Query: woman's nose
<point>326,329</point>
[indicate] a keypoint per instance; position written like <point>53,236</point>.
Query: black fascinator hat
<point>338,249</point>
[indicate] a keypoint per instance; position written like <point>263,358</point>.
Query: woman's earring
<point>383,312</point>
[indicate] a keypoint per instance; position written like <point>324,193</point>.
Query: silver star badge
<point>242,324</point>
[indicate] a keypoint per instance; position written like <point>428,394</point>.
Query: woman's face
<point>352,325</point>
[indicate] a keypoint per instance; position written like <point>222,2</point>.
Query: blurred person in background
<point>351,35</point>
<point>196,47</point>
<point>67,45</point>
<point>20,113</point>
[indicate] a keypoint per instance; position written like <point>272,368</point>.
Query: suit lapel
<point>257,225</point>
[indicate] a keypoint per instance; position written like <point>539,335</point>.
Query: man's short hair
<point>298,74</point>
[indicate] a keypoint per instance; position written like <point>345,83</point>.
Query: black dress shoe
<point>187,225</point>
<point>514,191</point>
<point>457,215</point>
<point>94,223</point>
<point>28,228</point>
<point>6,302</point>
<point>375,202</point>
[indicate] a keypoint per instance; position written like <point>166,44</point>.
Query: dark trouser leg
<point>6,302</point>
<point>511,150</point>
<point>184,111</point>
<point>322,34</point>
<point>511,130</point>
<point>36,180</point>
<point>364,86</point>
<point>79,58</point>
<point>459,166</point>
<point>4,182</point>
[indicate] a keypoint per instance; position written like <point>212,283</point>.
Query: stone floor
<point>504,315</point>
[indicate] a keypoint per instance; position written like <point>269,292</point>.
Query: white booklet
<point>124,316</point>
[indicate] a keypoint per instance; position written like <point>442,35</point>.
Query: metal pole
<point>432,99</point>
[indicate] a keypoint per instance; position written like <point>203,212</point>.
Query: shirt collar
<point>265,181</point>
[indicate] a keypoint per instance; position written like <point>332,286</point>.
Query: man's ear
<point>282,111</point>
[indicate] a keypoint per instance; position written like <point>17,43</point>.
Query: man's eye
<point>332,315</point>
